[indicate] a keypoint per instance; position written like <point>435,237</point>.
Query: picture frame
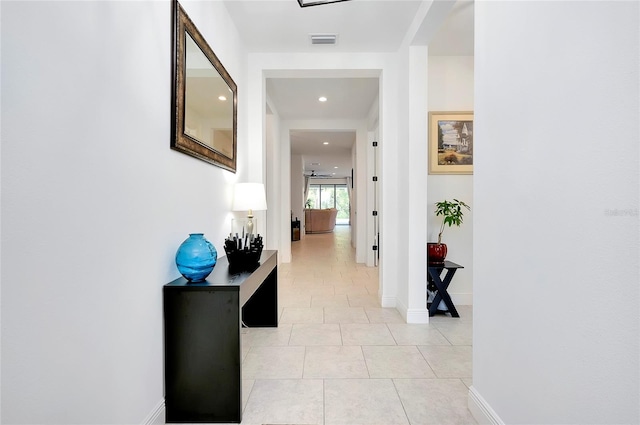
<point>450,149</point>
<point>205,98</point>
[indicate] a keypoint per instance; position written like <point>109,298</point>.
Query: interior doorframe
<point>361,204</point>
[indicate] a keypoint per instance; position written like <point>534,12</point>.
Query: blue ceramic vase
<point>196,258</point>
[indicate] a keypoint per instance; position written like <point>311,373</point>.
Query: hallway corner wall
<point>556,194</point>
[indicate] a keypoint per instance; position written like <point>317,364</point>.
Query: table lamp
<point>249,197</point>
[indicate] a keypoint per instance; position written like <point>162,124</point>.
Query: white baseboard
<point>388,302</point>
<point>412,315</point>
<point>402,309</point>
<point>417,315</point>
<point>481,410</point>
<point>157,415</point>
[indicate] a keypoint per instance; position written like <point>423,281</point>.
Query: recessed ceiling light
<point>335,168</point>
<point>325,143</point>
<point>223,98</point>
<point>322,99</point>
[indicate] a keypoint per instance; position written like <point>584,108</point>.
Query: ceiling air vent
<point>323,38</point>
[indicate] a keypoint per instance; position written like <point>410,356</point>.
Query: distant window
<point>330,196</point>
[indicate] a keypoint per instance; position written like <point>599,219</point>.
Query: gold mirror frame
<point>181,139</point>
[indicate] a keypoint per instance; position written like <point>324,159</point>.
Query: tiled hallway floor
<point>337,357</point>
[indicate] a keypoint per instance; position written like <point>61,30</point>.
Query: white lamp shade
<point>249,196</point>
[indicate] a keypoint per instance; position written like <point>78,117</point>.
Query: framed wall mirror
<point>205,98</point>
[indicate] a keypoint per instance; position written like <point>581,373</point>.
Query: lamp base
<point>240,225</point>
<point>250,225</point>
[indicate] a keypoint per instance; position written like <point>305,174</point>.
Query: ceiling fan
<point>305,3</point>
<point>314,175</point>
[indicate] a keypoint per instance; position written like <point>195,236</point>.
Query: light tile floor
<point>337,357</point>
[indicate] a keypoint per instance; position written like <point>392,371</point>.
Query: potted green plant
<point>452,214</point>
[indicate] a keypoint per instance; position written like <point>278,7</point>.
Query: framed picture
<point>450,143</point>
<point>205,98</point>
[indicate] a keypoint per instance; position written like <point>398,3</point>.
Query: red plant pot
<point>436,252</point>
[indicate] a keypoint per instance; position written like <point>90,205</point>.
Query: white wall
<point>556,235</point>
<point>372,168</point>
<point>406,168</point>
<point>95,204</point>
<point>451,89</point>
<point>353,193</point>
<point>413,174</point>
<point>297,187</point>
<point>272,154</point>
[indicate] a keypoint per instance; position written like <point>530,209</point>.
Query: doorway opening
<point>316,142</point>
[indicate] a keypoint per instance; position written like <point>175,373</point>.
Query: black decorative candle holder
<point>243,253</point>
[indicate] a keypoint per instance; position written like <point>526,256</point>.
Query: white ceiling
<point>284,26</point>
<point>361,26</point>
<point>332,160</point>
<point>347,98</point>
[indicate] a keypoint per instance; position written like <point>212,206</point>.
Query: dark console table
<point>202,324</point>
<point>434,270</point>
